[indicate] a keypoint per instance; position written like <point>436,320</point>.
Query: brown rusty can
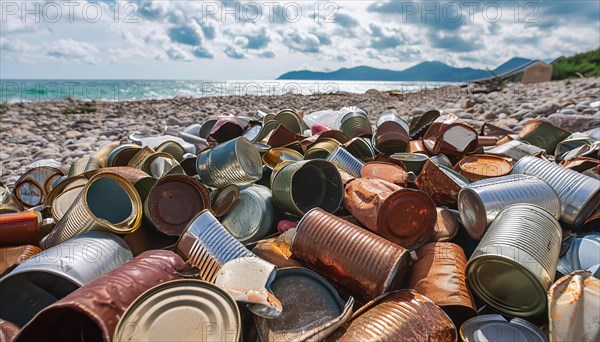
<point>8,330</point>
<point>439,274</point>
<point>446,226</point>
<point>277,251</point>
<point>403,315</point>
<point>482,166</point>
<point>91,312</point>
<point>11,257</point>
<point>450,137</point>
<point>403,216</point>
<point>442,185</point>
<point>364,263</point>
<point>22,228</point>
<point>386,171</point>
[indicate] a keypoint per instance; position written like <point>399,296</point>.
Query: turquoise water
<point>123,90</point>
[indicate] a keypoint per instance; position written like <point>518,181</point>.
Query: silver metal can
<point>253,216</point>
<point>344,160</point>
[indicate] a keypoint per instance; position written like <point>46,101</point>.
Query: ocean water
<point>124,90</point>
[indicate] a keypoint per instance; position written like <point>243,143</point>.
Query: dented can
<point>52,274</point>
<point>236,161</point>
<point>412,161</point>
<point>516,150</point>
<point>415,318</point>
<point>20,228</point>
<point>449,137</point>
<point>480,202</point>
<point>403,216</point>
<point>360,148</point>
<point>391,137</point>
<point>95,307</point>
<point>364,263</point>
<point>386,171</point>
<point>579,194</point>
<point>497,328</point>
<point>543,134</point>
<point>439,274</point>
<point>440,183</point>
<point>514,264</point>
<point>122,154</point>
<point>276,155</point>
<point>345,161</point>
<point>290,119</point>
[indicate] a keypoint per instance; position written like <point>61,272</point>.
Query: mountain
<point>425,71</point>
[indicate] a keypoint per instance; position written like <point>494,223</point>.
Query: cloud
<point>301,41</point>
<point>249,36</point>
<point>186,34</point>
<point>383,38</point>
<point>267,54</point>
<point>73,51</point>
<point>345,20</point>
<point>438,15</point>
<point>201,52</point>
<point>452,42</point>
<point>234,53</point>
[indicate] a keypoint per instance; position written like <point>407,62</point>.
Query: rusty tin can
<point>364,263</point>
<point>236,161</point>
<point>390,116</point>
<point>515,149</point>
<point>390,138</point>
<point>480,202</point>
<point>8,202</point>
<point>412,161</point>
<point>173,202</point>
<point>313,308</point>
<point>20,228</point>
<point>415,318</point>
<point>441,184</point>
<point>476,167</point>
<point>107,202</point>
<point>11,257</point>
<point>94,308</point>
<point>404,216</point>
<point>356,124</point>
<point>579,194</point>
<point>449,137</point>
<point>439,274</point>
<point>223,260</point>
<point>34,185</point>
<point>253,215</point>
<point>277,251</point>
<point>514,264</point>
<point>446,226</point>
<point>386,171</point>
<point>344,160</point>
<point>8,331</point>
<point>419,124</point>
<point>301,186</point>
<point>181,310</point>
<point>52,274</point>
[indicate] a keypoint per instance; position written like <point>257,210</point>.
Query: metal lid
<point>181,310</point>
<point>62,202</point>
<point>224,199</point>
<point>480,166</point>
<point>494,328</point>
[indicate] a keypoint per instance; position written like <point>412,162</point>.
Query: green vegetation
<point>585,64</point>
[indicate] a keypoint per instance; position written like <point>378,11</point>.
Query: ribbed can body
<point>480,202</point>
<point>364,263</point>
<point>403,315</point>
<point>356,124</point>
<point>515,262</point>
<point>234,162</point>
<point>384,117</point>
<point>344,160</point>
<point>579,194</point>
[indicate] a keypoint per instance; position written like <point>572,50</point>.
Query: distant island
<point>425,71</point>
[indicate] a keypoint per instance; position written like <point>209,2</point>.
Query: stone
<point>546,109</point>
<point>568,111</point>
<point>502,116</point>
<point>574,123</point>
<point>72,134</point>
<point>173,121</point>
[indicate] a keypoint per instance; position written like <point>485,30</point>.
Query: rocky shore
<point>67,130</point>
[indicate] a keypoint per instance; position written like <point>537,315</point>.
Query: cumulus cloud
<point>186,34</point>
<point>301,41</point>
<point>234,53</point>
<point>384,38</point>
<point>73,51</point>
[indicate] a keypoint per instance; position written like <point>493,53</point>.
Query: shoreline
<point>66,130</point>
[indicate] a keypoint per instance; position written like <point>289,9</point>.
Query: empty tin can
<point>403,216</point>
<point>360,148</point>
<point>313,308</point>
<point>20,228</point>
<point>107,202</point>
<point>441,184</point>
<point>480,202</point>
<point>91,312</point>
<point>173,149</point>
<point>291,120</point>
<point>582,254</point>
<point>34,185</point>
<point>279,154</point>
<point>439,274</point>
<point>301,186</point>
<point>543,134</point>
<point>225,129</point>
<point>412,161</point>
<point>579,194</point>
<point>253,216</point>
<point>181,310</point>
<point>83,165</point>
<point>403,315</point>
<point>52,274</point>
<point>390,116</point>
<point>476,167</point>
<point>356,124</point>
<point>516,150</point>
<point>224,199</point>
<point>8,202</point>
<point>344,160</point>
<point>206,128</point>
<point>514,264</point>
<point>419,124</point>
<point>449,137</point>
<point>364,263</point>
<point>173,202</point>
<point>390,138</point>
<point>277,251</point>
<point>386,171</point>
<point>321,149</point>
<point>446,226</point>
<point>236,161</point>
<point>223,260</point>
<point>11,257</point>
<point>497,328</point>
<point>121,155</point>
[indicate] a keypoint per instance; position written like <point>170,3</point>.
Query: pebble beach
<point>67,130</point>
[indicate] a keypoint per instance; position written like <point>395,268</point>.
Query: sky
<point>243,40</point>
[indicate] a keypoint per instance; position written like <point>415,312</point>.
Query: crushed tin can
<point>439,274</point>
<point>356,124</point>
<point>236,161</point>
<point>279,154</point>
<point>8,330</point>
<point>224,261</point>
<point>13,256</point>
<point>441,183</point>
<point>403,216</point>
<point>225,129</point>
<point>497,328</point>
<point>514,264</point>
<point>452,138</point>
<point>543,134</point>
<point>416,318</point>
<point>181,310</point>
<point>413,162</point>
<point>579,194</point>
<point>419,124</point>
<point>291,120</point>
<point>313,308</point>
<point>278,135</point>
<point>515,150</point>
<point>360,148</point>
<point>446,226</point>
<point>206,128</point>
<point>96,306</point>
<point>480,202</point>
<point>386,171</point>
<point>107,202</point>
<point>173,202</point>
<point>581,254</point>
<point>476,167</point>
<point>253,216</point>
<point>580,164</point>
<point>52,274</point>
<point>34,185</point>
<point>300,186</point>
<point>574,308</point>
<point>21,228</point>
<point>8,201</point>
<point>277,251</point>
<point>364,263</point>
<point>344,160</point>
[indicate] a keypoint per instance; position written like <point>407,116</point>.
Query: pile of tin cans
<point>263,228</point>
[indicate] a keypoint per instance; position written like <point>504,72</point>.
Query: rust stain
<point>441,188</point>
